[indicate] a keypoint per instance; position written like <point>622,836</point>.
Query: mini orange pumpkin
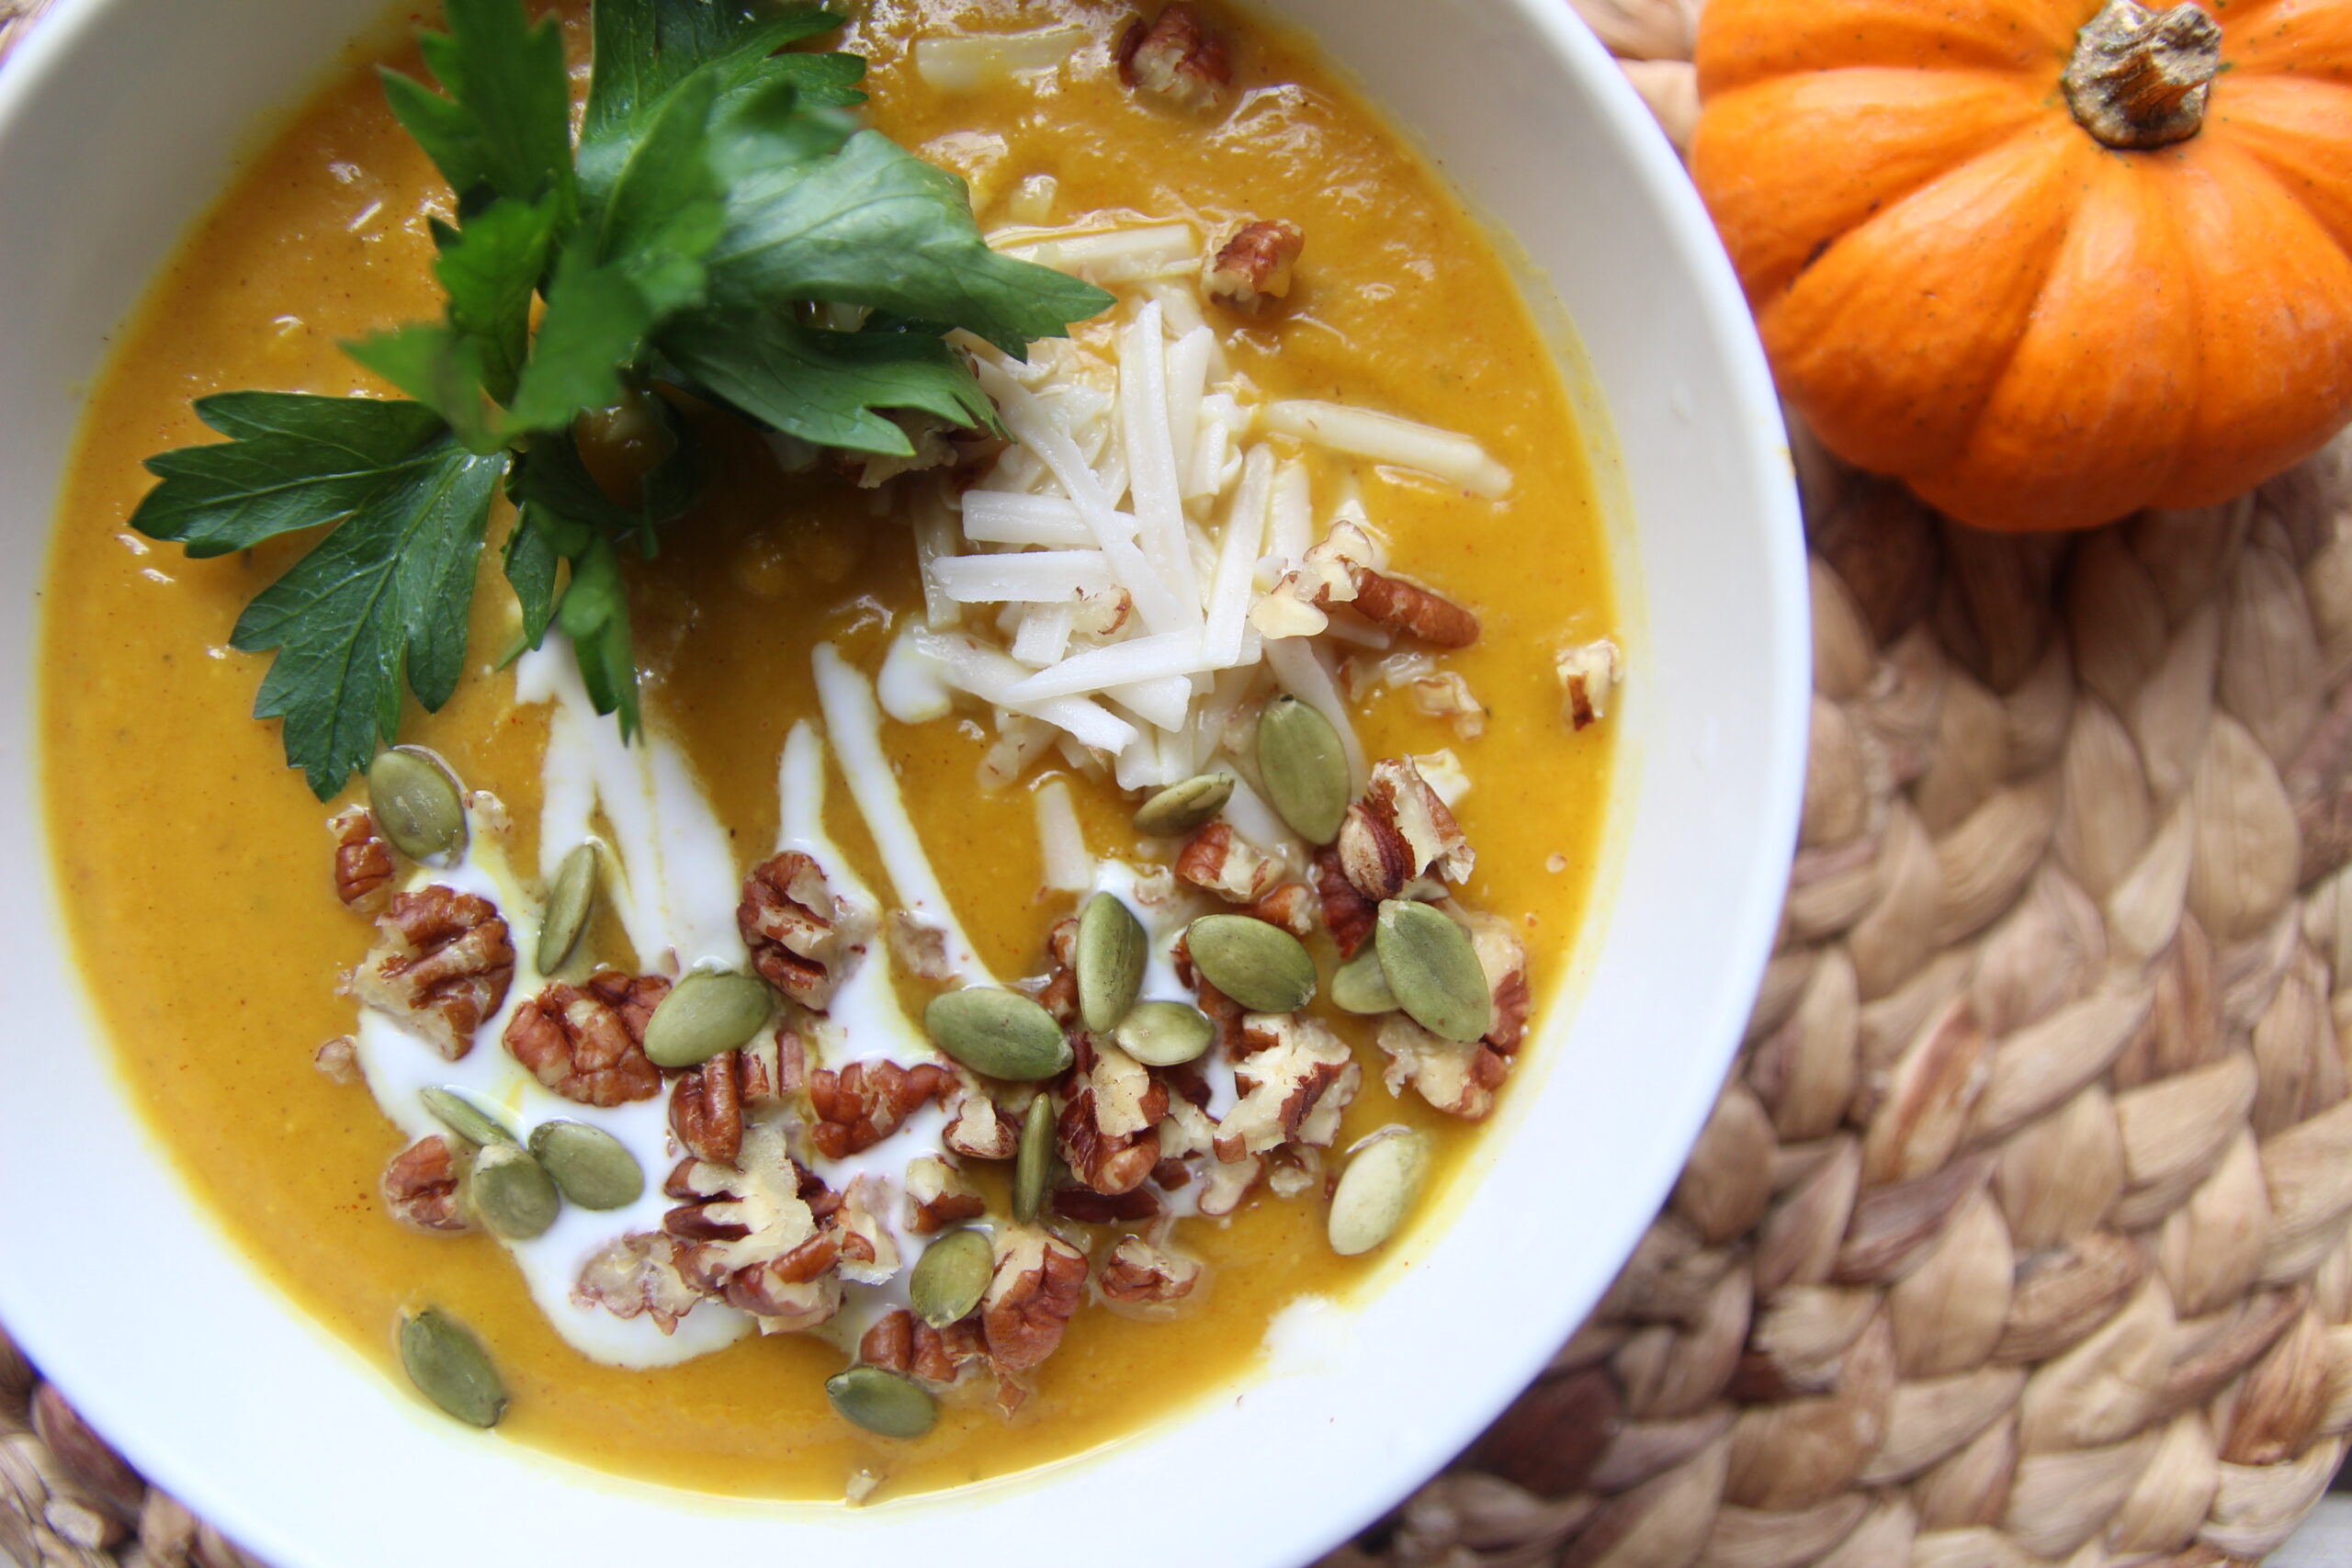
<point>2024,256</point>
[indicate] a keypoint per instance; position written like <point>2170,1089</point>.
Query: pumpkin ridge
<point>2254,127</point>
<point>1741,42</point>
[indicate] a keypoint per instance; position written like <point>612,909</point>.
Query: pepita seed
<point>1164,1034</point>
<point>416,803</point>
<point>951,1277</point>
<point>466,1119</point>
<point>1359,987</point>
<point>1377,1190</point>
<point>1262,966</point>
<point>449,1367</point>
<point>571,902</point>
<point>512,1193</point>
<point>998,1032</point>
<point>882,1402</point>
<point>1305,768</point>
<point>1108,958</point>
<point>1433,970</point>
<point>707,1012</point>
<point>1181,808</point>
<point>589,1165</point>
<point>1035,1162</point>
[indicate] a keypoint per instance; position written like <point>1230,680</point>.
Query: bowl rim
<point>1389,1470</point>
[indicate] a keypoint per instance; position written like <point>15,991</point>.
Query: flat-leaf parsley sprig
<point>719,193</point>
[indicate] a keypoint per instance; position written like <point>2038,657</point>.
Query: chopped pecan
<point>1090,1208</point>
<point>1350,914</point>
<point>901,1342</point>
<point>1296,1079</point>
<point>1059,994</point>
<point>1293,1169</point>
<point>772,1069</point>
<point>1457,1079</point>
<point>441,965</point>
<point>751,1235</point>
<point>1139,1274</point>
<point>938,1196</point>
<point>1588,674</point>
<point>865,1101</point>
<point>1107,1164</point>
<point>421,1186</point>
<point>338,1059</point>
<point>803,940</point>
<point>869,1253</point>
<point>920,946</point>
<point>1037,1286</point>
<point>1445,694</point>
<point>1291,906</point>
<point>1227,1184</point>
<point>1219,861</point>
<point>1128,1098</point>
<point>1177,59</point>
<point>1400,835</point>
<point>978,1131</point>
<point>1504,958</point>
<point>1414,610</point>
<point>638,1274</point>
<point>706,1108</point>
<point>363,860</point>
<point>587,1043</point>
<point>1255,264</point>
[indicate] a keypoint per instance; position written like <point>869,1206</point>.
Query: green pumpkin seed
<point>416,803</point>
<point>1036,1161</point>
<point>449,1367</point>
<point>707,1012</point>
<point>466,1119</point>
<point>951,1277</point>
<point>590,1166</point>
<point>882,1402</point>
<point>1164,1034</point>
<point>512,1193</point>
<point>570,903</point>
<point>1359,987</point>
<point>998,1032</point>
<point>1305,768</point>
<point>1108,959</point>
<point>1263,967</point>
<point>1433,970</point>
<point>1377,1190</point>
<point>1181,808</point>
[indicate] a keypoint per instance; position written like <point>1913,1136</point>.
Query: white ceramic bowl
<point>119,121</point>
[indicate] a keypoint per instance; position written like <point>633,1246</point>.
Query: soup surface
<point>196,870</point>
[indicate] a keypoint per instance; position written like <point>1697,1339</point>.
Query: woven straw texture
<point>2019,1233</point>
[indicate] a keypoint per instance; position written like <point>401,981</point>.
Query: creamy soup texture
<point>818,682</point>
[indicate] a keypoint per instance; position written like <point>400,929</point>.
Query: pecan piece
<point>1177,59</point>
<point>1291,906</point>
<point>803,940</point>
<point>1255,264</point>
<point>865,1101</point>
<point>1400,835</point>
<point>977,1130</point>
<point>587,1043</point>
<point>421,1186</point>
<point>1105,1163</point>
<point>441,965</point>
<point>1350,914</point>
<point>1090,1208</point>
<point>1588,674</point>
<point>1457,1079</point>
<point>706,1108</point>
<point>1219,861</point>
<point>750,1235</point>
<point>1414,610</point>
<point>920,946</point>
<point>869,1253</point>
<point>1295,1081</point>
<point>1059,994</point>
<point>363,860</point>
<point>1138,1274</point>
<point>938,1196</point>
<point>1036,1289</point>
<point>638,1275</point>
<point>901,1342</point>
<point>1128,1097</point>
<point>1504,958</point>
<point>338,1060</point>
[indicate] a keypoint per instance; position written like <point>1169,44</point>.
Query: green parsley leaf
<point>825,386</point>
<point>594,616</point>
<point>644,48</point>
<point>490,270</point>
<point>383,595</point>
<point>665,210</point>
<point>532,558</point>
<point>506,128</point>
<point>595,321</point>
<point>439,369</point>
<point>877,225</point>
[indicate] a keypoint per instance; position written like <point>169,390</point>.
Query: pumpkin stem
<point>2139,77</point>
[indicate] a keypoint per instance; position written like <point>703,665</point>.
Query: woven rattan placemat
<point>2020,1235</point>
